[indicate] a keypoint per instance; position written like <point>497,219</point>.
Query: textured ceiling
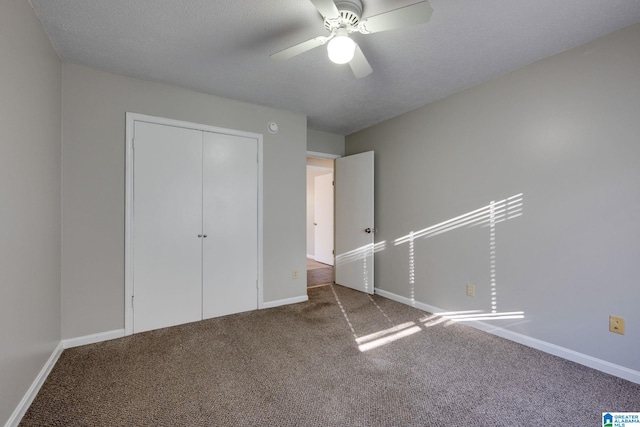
<point>222,47</point>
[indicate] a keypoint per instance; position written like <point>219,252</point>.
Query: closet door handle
<point>199,236</point>
<point>204,235</point>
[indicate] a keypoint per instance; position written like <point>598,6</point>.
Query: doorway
<point>320,224</point>
<point>353,244</point>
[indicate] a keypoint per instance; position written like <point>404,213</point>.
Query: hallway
<point>319,274</point>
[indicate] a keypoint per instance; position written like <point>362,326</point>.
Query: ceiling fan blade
<point>418,13</point>
<point>299,48</point>
<point>327,8</point>
<point>359,64</point>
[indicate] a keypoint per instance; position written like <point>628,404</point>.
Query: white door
<point>323,218</point>
<point>167,212</point>
<point>354,236</point>
<point>230,224</point>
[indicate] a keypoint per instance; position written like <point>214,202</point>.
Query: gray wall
<point>94,108</point>
<point>324,142</point>
<point>30,141</point>
<point>564,132</point>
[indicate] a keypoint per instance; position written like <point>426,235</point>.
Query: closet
<point>193,224</point>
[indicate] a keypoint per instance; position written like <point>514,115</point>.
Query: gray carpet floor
<point>341,359</point>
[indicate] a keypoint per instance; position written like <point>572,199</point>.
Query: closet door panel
<point>167,218</point>
<point>230,221</point>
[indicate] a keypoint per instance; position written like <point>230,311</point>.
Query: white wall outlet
<point>294,274</point>
<point>471,290</point>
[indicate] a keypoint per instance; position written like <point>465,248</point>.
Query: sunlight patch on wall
<point>486,216</point>
<point>360,253</point>
<point>492,261</point>
<point>497,212</point>
<point>486,316</point>
<point>469,316</point>
<point>412,270</point>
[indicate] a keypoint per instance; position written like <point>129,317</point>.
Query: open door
<point>354,225</point>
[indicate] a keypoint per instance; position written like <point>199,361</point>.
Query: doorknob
<point>369,230</point>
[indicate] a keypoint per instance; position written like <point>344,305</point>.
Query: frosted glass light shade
<point>341,49</point>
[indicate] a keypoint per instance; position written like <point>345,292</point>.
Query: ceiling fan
<point>343,17</point>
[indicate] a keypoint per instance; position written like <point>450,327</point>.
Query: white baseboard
<point>31,393</point>
<point>93,338</point>
<point>33,390</point>
<point>286,301</point>
<point>313,257</point>
<point>556,350</point>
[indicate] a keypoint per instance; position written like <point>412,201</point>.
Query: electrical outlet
<point>616,324</point>
<point>294,274</point>
<point>471,290</point>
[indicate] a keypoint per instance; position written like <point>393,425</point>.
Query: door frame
<point>320,155</point>
<point>131,118</point>
<point>329,156</point>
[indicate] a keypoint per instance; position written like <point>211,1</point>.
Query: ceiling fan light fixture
<point>342,18</point>
<point>341,49</point>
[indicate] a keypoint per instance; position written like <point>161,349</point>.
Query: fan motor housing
<point>350,13</point>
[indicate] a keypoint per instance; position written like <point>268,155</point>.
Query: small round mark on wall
<point>273,127</point>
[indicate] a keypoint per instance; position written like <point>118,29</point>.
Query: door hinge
<point>333,252</point>
<point>131,301</point>
<point>333,183</point>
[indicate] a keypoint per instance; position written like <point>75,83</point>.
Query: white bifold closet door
<point>230,221</point>
<point>167,220</point>
<point>194,225</point>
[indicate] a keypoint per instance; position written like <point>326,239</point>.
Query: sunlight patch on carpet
<point>387,336</point>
